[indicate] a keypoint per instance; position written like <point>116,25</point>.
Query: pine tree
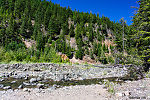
<point>71,31</point>
<point>47,16</point>
<point>99,49</point>
<point>142,24</point>
<point>65,28</point>
<point>91,33</point>
<point>95,48</point>
<point>10,31</point>
<point>23,27</point>
<point>36,29</point>
<point>30,27</point>
<point>40,41</point>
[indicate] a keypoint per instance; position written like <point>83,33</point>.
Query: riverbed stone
<point>32,80</point>
<point>13,82</point>
<point>26,78</point>
<point>21,86</point>
<point>26,90</point>
<point>39,79</point>
<point>119,94</point>
<point>26,83</point>
<point>39,85</point>
<point>1,80</point>
<point>1,86</point>
<point>7,87</point>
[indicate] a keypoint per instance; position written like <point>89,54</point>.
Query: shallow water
<point>50,83</point>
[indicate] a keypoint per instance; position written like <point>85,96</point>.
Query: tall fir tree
<point>141,22</point>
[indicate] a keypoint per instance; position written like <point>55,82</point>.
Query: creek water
<point>15,83</point>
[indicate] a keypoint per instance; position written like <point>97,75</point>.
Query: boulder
<point>21,86</point>
<point>32,80</point>
<point>40,86</point>
<point>7,87</point>
<point>1,86</point>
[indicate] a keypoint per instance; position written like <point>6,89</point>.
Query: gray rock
<point>119,94</point>
<point>17,76</point>
<point>39,79</point>
<point>33,84</point>
<point>100,82</point>
<point>26,78</point>
<point>13,82</point>
<point>32,80</point>
<point>26,84</point>
<point>40,86</point>
<point>1,80</point>
<point>127,93</point>
<point>1,86</point>
<point>26,90</point>
<point>52,88</point>
<point>21,86</point>
<point>7,87</point>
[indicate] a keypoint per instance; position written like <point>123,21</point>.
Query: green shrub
<point>110,59</point>
<point>128,59</point>
<point>20,55</point>
<point>2,53</point>
<point>15,46</point>
<point>34,59</point>
<point>8,57</point>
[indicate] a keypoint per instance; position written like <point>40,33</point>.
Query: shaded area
<point>58,84</point>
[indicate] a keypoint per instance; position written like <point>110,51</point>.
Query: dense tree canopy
<point>53,27</point>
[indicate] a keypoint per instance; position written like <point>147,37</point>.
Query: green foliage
<point>79,53</point>
<point>20,55</point>
<point>91,54</point>
<point>128,59</point>
<point>71,31</point>
<point>2,53</point>
<point>40,41</point>
<point>103,58</point>
<point>110,86</point>
<point>110,59</point>
<point>49,55</point>
<point>49,24</point>
<point>86,50</point>
<point>8,57</point>
<point>14,46</point>
<point>141,23</point>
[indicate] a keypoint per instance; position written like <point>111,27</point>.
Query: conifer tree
<point>30,27</point>
<point>71,31</point>
<point>99,49</point>
<point>40,41</point>
<point>65,28</point>
<point>23,27</point>
<point>142,24</point>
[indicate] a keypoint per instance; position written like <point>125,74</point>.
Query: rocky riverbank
<point>44,77</point>
<point>58,72</point>
<point>41,73</point>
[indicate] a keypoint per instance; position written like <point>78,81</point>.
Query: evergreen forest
<point>37,31</point>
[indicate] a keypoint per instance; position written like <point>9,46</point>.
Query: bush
<point>15,46</point>
<point>9,56</point>
<point>110,59</point>
<point>2,53</point>
<point>34,59</point>
<point>20,55</point>
<point>128,59</point>
<point>53,56</point>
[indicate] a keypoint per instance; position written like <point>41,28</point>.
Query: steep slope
<point>76,34</point>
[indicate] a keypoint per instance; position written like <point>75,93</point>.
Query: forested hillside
<point>35,31</point>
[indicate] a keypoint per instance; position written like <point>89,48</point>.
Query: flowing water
<point>15,83</point>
